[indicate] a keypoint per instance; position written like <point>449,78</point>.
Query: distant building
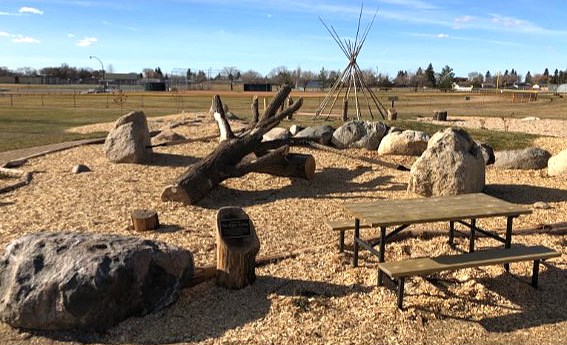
<point>257,87</point>
<point>122,78</point>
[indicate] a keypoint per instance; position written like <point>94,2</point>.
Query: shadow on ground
<point>207,312</point>
<point>326,182</point>
<point>525,194</point>
<point>533,307</point>
<point>172,160</point>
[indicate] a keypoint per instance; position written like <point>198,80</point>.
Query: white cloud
<point>87,42</point>
<point>31,10</point>
<point>442,36</point>
<point>24,39</point>
<point>4,34</point>
<point>70,35</point>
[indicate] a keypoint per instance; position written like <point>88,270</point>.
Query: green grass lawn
<point>41,117</point>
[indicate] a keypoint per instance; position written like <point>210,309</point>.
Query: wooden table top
<point>425,210</point>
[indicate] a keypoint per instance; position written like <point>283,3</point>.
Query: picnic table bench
<point>399,270</point>
<point>463,209</point>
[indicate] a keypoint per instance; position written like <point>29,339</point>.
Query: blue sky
<point>469,36</point>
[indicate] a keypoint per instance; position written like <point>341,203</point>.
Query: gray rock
<point>320,134</point>
<point>80,168</point>
<point>65,280</point>
<point>487,153</point>
<point>557,165</point>
<point>408,143</point>
<point>359,134</point>
<point>532,158</point>
<point>129,140</point>
<point>452,164</point>
<point>277,133</point>
<point>168,137</point>
<point>294,129</point>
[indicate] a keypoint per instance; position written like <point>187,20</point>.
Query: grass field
<point>40,115</point>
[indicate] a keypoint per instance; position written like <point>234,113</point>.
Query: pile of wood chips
<point>316,297</point>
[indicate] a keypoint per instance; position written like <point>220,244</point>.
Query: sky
<point>261,35</point>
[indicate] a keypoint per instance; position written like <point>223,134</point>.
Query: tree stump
<point>237,247</point>
<point>145,220</point>
<point>440,115</point>
<point>392,114</point>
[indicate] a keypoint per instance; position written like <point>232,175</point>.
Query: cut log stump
<point>440,115</point>
<point>237,247</point>
<point>145,220</point>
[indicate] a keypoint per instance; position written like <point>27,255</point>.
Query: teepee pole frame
<point>352,77</point>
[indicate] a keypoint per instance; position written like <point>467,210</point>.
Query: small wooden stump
<point>440,115</point>
<point>392,114</point>
<point>237,247</point>
<point>145,220</point>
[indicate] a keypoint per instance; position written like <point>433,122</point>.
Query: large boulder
<point>65,280</point>
<point>408,143</point>
<point>359,134</point>
<point>129,141</point>
<point>532,158</point>
<point>452,164</point>
<point>320,134</point>
<point>557,165</point>
<point>276,133</point>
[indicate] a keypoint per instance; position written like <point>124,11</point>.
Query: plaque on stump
<point>237,247</point>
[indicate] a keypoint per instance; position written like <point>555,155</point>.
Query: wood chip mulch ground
<point>316,297</point>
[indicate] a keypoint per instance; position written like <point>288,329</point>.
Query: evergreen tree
<point>446,77</point>
<point>430,76</point>
<point>528,78</point>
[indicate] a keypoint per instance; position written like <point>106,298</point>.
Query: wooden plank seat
<point>399,270</point>
<point>342,226</point>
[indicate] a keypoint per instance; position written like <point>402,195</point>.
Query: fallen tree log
<point>242,153</point>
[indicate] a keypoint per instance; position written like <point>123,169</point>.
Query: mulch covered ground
<point>316,297</point>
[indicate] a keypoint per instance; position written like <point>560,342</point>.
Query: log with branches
<point>242,153</point>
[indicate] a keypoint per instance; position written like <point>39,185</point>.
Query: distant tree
<point>305,78</point>
<point>430,76</point>
<point>528,78</point>
<point>334,76</point>
<point>555,78</point>
<point>383,80</point>
<point>476,79</point>
<point>418,79</point>
<point>402,79</point>
<point>158,72</point>
<point>200,77</point>
<point>153,73</point>
<point>230,73</point>
<point>281,76</point>
<point>446,78</point>
<point>5,72</point>
<point>323,78</point>
<point>189,75</point>
<point>369,77</point>
<point>251,76</point>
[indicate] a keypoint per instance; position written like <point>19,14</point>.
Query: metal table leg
<point>508,240</point>
<point>355,242</point>
<point>381,257</point>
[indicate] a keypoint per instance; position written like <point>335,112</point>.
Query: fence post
<point>11,100</point>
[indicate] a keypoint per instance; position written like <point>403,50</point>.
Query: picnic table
<point>464,209</point>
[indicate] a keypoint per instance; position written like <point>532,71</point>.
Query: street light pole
<point>102,66</point>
